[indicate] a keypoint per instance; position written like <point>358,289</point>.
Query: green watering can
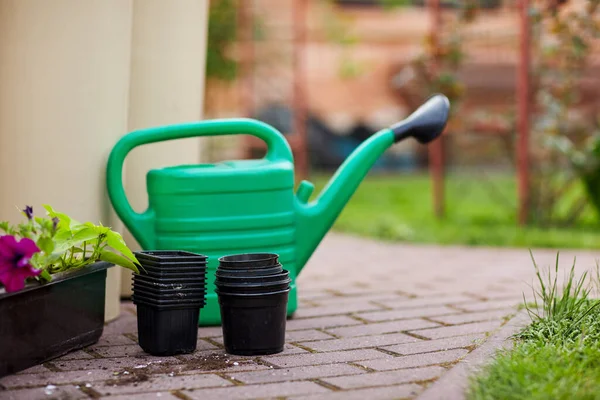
<point>249,206</point>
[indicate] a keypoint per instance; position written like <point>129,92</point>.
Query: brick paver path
<point>376,321</point>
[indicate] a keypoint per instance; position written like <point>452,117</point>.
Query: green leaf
<point>25,230</point>
<point>46,244</point>
<point>45,275</point>
<point>118,260</point>
<point>52,258</point>
<point>64,246</point>
<point>115,240</point>
<point>64,220</point>
<point>41,221</point>
<point>85,234</point>
<point>5,226</point>
<point>62,236</point>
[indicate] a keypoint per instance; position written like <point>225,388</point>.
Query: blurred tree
<point>222,33</point>
<point>565,139</point>
<point>436,69</point>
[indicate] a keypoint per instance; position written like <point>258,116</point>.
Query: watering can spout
<point>314,218</point>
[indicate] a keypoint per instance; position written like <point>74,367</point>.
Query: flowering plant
<point>41,247</point>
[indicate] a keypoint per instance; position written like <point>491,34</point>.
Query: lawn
<point>556,357</point>
<point>481,210</point>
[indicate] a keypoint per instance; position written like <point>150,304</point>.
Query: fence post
<point>523,110</point>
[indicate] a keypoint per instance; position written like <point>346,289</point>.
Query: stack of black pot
<point>169,292</point>
<point>253,295</point>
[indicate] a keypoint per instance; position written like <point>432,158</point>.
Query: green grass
<point>557,356</point>
<point>480,211</point>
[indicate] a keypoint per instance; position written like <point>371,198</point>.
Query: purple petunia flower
<point>28,212</point>
<point>15,264</point>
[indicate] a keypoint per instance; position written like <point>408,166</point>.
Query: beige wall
<point>74,77</point>
<point>167,86</point>
<point>64,78</point>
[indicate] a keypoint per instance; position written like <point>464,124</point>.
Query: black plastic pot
<point>167,331</point>
<point>177,295</point>
<point>169,256</point>
<point>150,299</point>
<point>250,272</point>
<point>249,260</point>
<point>283,276</point>
<point>46,321</point>
<point>175,273</point>
<point>253,325</point>
<point>171,282</point>
<point>249,294</point>
<point>253,290</point>
<point>201,280</point>
<point>169,293</point>
<point>253,284</point>
<point>174,264</point>
<point>169,289</point>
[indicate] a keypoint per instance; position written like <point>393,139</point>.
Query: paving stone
<point>291,374</point>
<point>57,393</point>
<point>291,349</point>
<point>360,342</point>
<point>287,347</point>
<point>210,331</point>
<point>209,353</point>
<point>145,396</point>
<point>320,323</point>
<point>301,336</point>
<point>386,378</point>
<point>383,393</point>
<point>74,355</point>
<point>358,299</point>
<point>54,378</point>
<point>136,351</point>
<point>509,293</point>
<point>164,382</point>
<point>119,351</point>
<point>415,360</point>
<point>336,309</point>
<point>312,294</point>
<point>281,389</point>
<point>324,358</point>
<point>34,370</point>
<point>112,364</point>
<point>126,323</point>
<point>473,283</point>
<point>458,330</point>
<point>129,307</point>
<point>306,304</point>
<point>356,291</point>
<point>430,301</point>
<point>114,340</point>
<point>473,317</point>
<point>382,327</point>
<point>202,344</point>
<point>491,305</point>
<point>188,361</point>
<point>426,346</point>
<point>247,366</point>
<point>378,316</point>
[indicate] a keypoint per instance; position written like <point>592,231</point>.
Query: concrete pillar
<point>64,92</point>
<point>167,86</point>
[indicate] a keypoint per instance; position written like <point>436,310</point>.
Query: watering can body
<point>242,206</point>
<point>228,208</point>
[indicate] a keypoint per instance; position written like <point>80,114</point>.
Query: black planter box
<point>43,322</point>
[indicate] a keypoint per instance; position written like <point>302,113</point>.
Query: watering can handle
<point>142,225</point>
